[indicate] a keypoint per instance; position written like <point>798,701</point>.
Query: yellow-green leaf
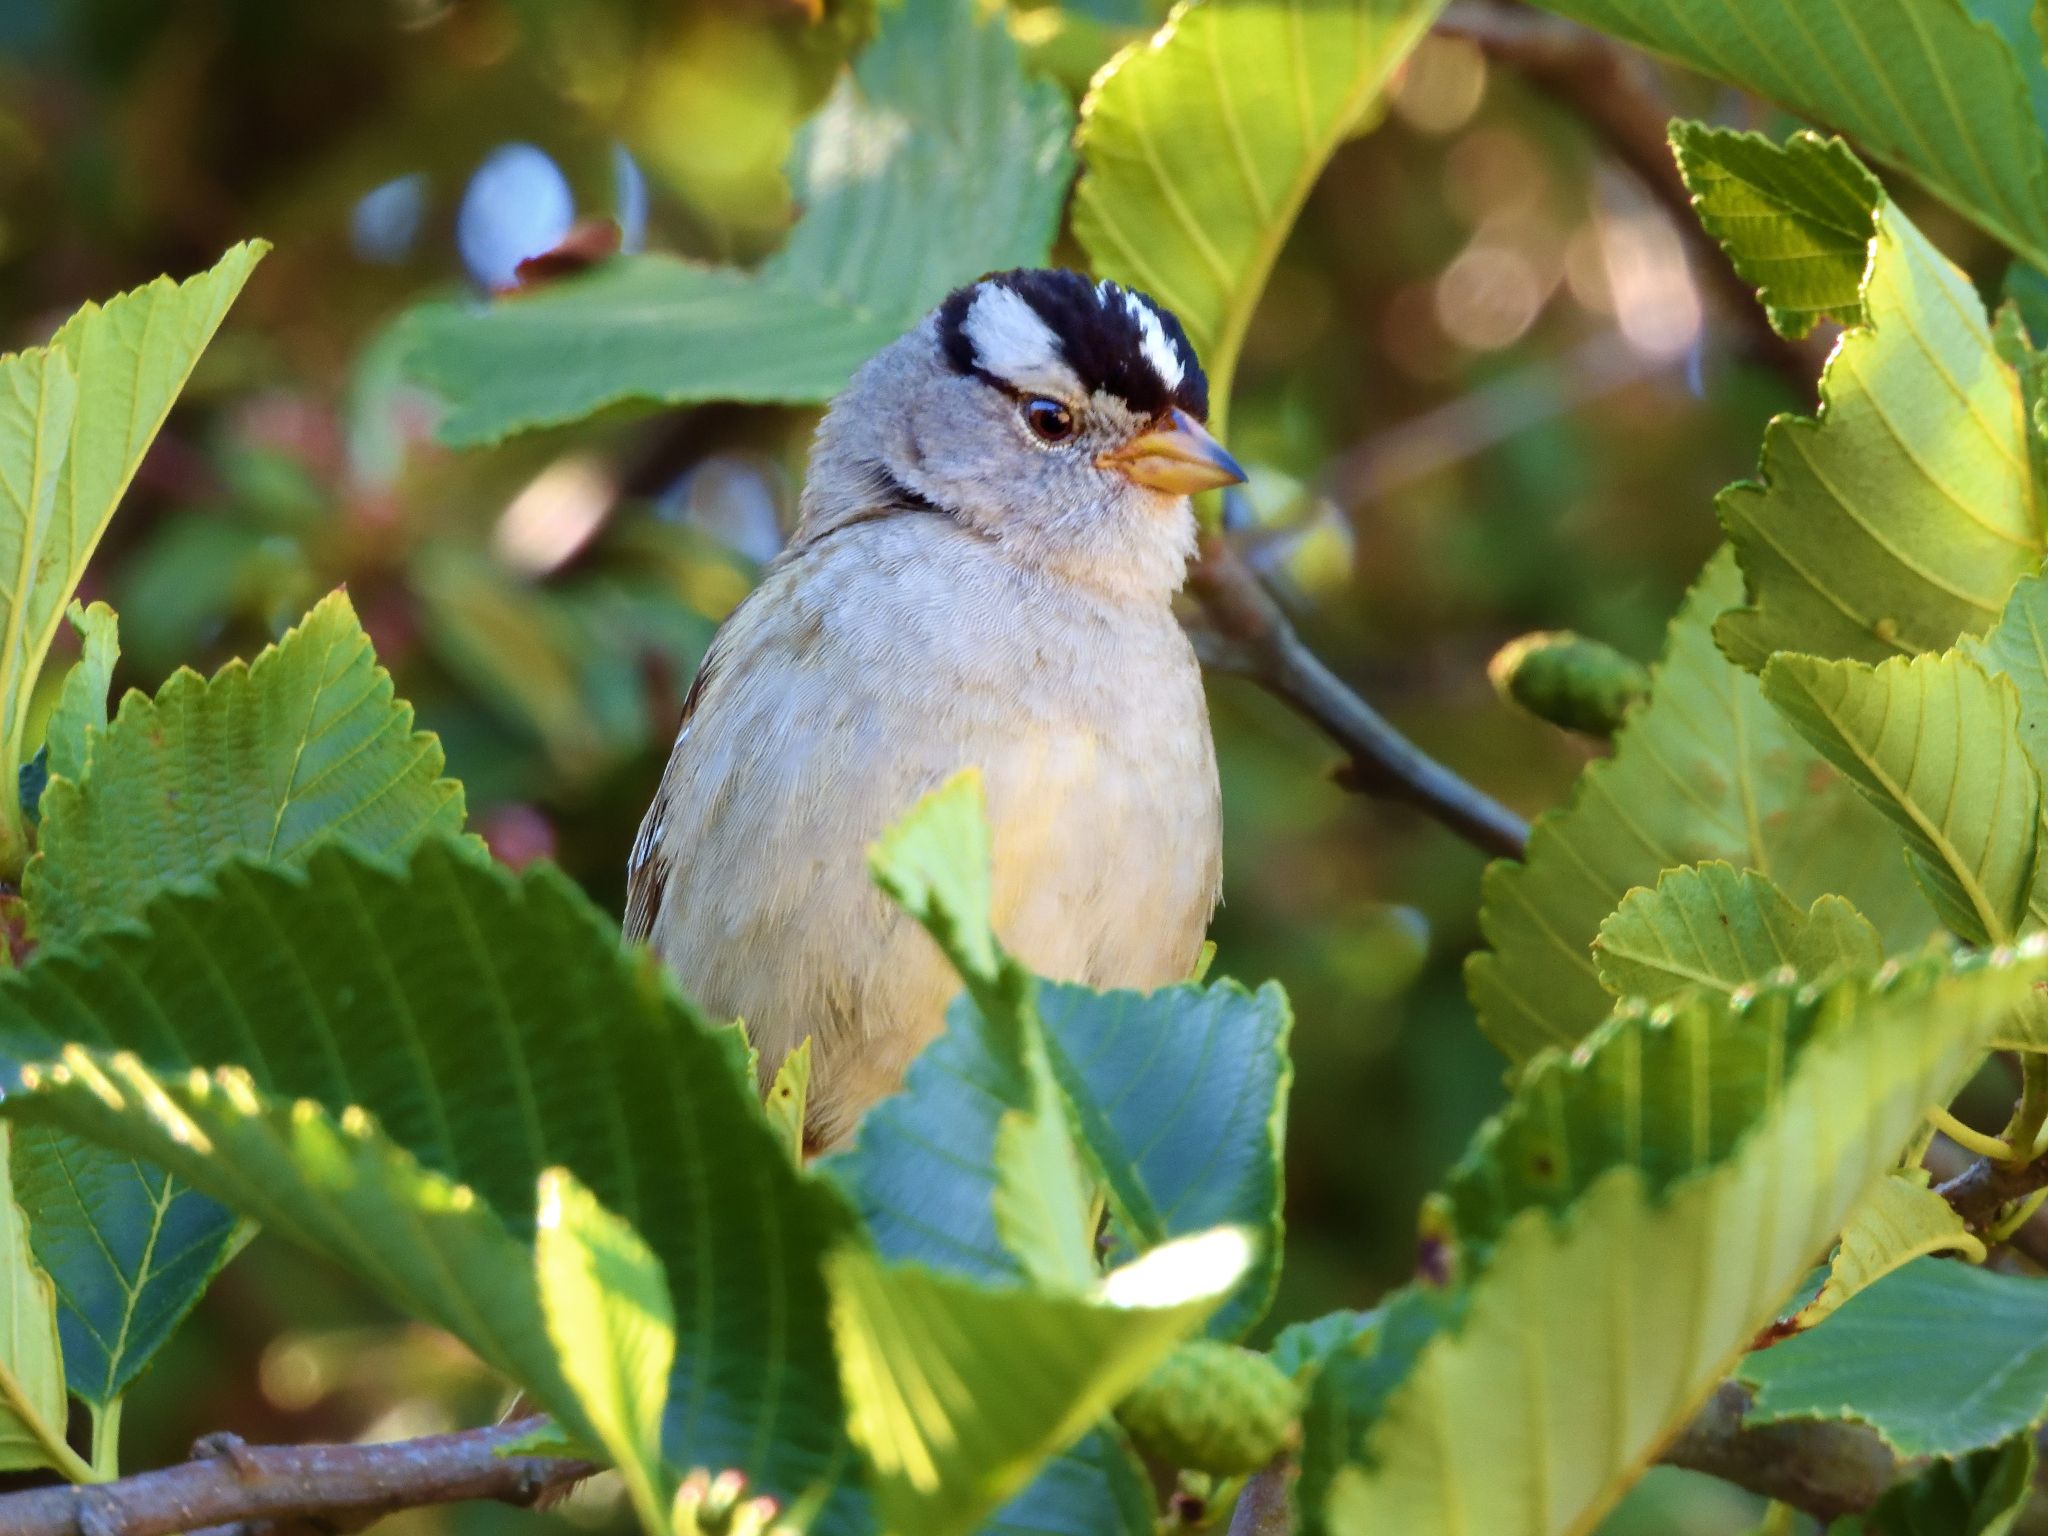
<point>1897,519</point>
<point>1704,770</point>
<point>1711,925</point>
<point>1902,1219</point>
<point>1199,146</point>
<point>957,1392</point>
<point>606,1301</point>
<point>31,1368</point>
<point>1934,742</point>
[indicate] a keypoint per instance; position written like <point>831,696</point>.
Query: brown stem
<point>229,1487</point>
<point>1822,1467</point>
<point>1251,636</point>
<point>1613,91</point>
<point>1980,1189</point>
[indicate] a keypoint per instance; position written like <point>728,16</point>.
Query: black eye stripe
<point>1099,336</point>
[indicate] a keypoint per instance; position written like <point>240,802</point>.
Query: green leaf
<point>98,392</point>
<point>1796,221</point>
<point>379,1062</point>
<point>787,1096</point>
<point>1302,1347</point>
<point>1177,1096</point>
<point>1199,147</point>
<point>935,864</point>
<point>270,760</point>
<point>1934,741</point>
<point>917,1351</point>
<point>1620,1232</point>
<point>1705,770</point>
<point>1711,925</point>
<point>1930,86</point>
<point>82,704</point>
<point>38,406</point>
<point>937,161</point>
<point>1902,1219</point>
<point>1898,518</point>
<point>1981,1494</point>
<point>129,1248</point>
<point>2017,647</point>
<point>32,1405</point>
<point>606,1302</point>
<point>1097,1487</point>
<point>1181,1097</point>
<point>1940,1358</point>
<point>267,759</point>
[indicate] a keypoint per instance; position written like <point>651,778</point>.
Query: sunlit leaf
<point>916,1349</point>
<point>1705,770</point>
<point>82,704</point>
<point>1796,221</point>
<point>1945,89</point>
<point>1711,925</point>
<point>1902,1219</point>
<point>1934,741</point>
<point>1618,1235</point>
<point>1897,518</point>
<point>94,399</point>
<point>31,1369</point>
<point>270,759</point>
<point>606,1303</point>
<point>1199,147</point>
<point>379,1061</point>
<point>936,161</point>
<point>1940,1358</point>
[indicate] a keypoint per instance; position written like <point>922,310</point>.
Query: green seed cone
<point>1580,684</point>
<point>1212,1408</point>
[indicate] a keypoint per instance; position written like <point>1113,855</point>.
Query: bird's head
<point>1059,416</point>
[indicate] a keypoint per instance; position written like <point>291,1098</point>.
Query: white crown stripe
<point>1010,340</point>
<point>1159,352</point>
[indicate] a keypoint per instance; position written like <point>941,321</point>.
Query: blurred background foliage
<point>1489,390</point>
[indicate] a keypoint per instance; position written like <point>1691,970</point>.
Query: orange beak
<point>1178,456</point>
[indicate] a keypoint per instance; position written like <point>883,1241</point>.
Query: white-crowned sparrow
<point>994,526</point>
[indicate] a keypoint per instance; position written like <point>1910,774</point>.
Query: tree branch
<point>233,1489</point>
<point>1612,90</point>
<point>1252,637</point>
<point>1823,1467</point>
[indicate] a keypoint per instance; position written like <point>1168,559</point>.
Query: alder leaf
<point>379,1059</point>
<point>1897,518</point>
<point>1711,925</point>
<point>1934,742</point>
<point>1945,89</point>
<point>1619,1233</point>
<point>937,160</point>
<point>1200,145</point>
<point>1705,770</point>
<point>1902,1219</point>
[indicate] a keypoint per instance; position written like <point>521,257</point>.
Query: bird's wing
<point>647,865</point>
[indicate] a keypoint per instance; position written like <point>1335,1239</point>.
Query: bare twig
<point>1252,637</point>
<point>1262,1504</point>
<point>1822,1467</point>
<point>239,1490</point>
<point>1614,92</point>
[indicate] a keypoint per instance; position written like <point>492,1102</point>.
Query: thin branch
<point>241,1489</point>
<point>1613,91</point>
<point>1252,637</point>
<point>1825,1468</point>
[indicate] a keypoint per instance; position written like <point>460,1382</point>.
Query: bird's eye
<point>1053,422</point>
